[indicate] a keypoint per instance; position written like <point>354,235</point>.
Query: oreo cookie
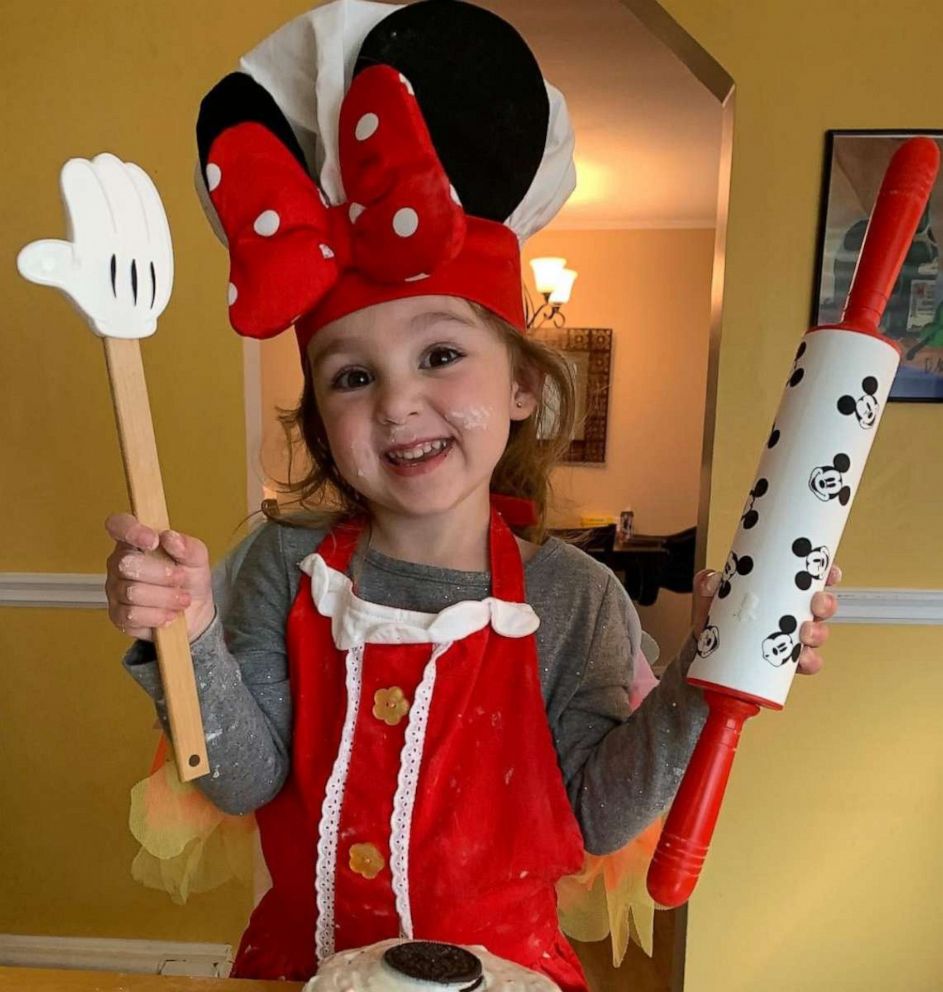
<point>442,964</point>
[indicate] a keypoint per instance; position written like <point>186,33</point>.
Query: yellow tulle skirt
<point>609,897</point>
<point>188,846</point>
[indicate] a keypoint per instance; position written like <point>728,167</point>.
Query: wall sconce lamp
<point>554,282</point>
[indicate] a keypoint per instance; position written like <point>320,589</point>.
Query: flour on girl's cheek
<point>471,418</point>
<point>363,459</point>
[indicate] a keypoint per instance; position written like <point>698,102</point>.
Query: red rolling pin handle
<point>900,202</point>
<point>687,833</point>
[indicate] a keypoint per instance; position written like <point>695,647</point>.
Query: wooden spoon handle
<point>146,492</point>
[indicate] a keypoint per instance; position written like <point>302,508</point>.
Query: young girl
<point>424,699</point>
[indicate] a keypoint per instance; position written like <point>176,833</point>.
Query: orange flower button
<point>366,860</point>
<point>390,705</point>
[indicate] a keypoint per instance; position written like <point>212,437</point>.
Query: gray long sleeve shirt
<point>621,769</point>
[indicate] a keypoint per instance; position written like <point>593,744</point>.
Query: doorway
<point>645,230</point>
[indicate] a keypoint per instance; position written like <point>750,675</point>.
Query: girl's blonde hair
<point>323,497</point>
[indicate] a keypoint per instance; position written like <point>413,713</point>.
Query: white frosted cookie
<point>423,966</point>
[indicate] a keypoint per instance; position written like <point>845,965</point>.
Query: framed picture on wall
<point>589,353</point>
<point>855,162</point>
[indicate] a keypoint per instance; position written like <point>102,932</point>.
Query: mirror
<point>588,351</point>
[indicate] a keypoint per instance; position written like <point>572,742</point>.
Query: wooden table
<point>58,980</point>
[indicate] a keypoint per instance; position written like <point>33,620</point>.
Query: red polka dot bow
<point>288,247</point>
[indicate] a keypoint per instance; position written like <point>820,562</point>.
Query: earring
<point>520,402</point>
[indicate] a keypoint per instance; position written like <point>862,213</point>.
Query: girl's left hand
<point>813,633</point>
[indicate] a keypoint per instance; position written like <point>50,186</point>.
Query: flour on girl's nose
<point>471,418</point>
<point>394,434</point>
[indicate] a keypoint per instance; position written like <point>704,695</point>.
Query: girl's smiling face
<point>417,397</point>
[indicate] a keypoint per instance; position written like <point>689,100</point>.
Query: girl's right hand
<point>146,590</point>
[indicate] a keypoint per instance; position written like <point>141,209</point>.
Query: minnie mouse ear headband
<point>435,148</point>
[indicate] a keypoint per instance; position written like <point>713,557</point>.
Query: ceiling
<point>647,132</point>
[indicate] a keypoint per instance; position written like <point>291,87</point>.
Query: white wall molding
<point>252,396</point>
<point>154,957</point>
<point>84,591</point>
<point>72,590</point>
<point>890,606</point>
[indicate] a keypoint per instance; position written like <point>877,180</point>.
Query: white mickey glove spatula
<point>118,269</point>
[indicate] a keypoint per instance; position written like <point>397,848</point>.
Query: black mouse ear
<point>481,93</point>
<point>238,99</point>
<point>801,546</point>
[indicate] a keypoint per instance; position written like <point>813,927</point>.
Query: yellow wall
<point>75,733</point>
<point>822,874</point>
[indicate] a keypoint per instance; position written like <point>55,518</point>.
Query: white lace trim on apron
<point>331,810</point>
<point>405,798</point>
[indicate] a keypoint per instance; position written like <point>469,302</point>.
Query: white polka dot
<point>213,175</point>
<point>405,222</point>
<point>416,278</point>
<point>453,192</point>
<point>326,251</point>
<point>407,84</point>
<point>266,223</point>
<point>366,126</point>
<point>354,211</point>
<point>233,294</point>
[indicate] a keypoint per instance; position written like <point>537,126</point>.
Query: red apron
<point>425,798</point>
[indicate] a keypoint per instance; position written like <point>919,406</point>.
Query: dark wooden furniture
<point>645,564</point>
